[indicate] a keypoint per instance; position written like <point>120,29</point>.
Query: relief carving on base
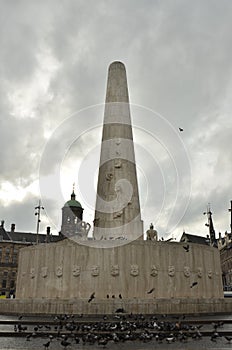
<point>134,271</point>
<point>199,272</point>
<point>186,271</point>
<point>171,270</point>
<point>154,271</point>
<point>44,271</point>
<point>210,273</point>
<point>32,272</point>
<point>95,270</point>
<point>114,270</point>
<point>59,271</point>
<point>76,270</point>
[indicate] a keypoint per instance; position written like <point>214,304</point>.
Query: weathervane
<point>37,213</point>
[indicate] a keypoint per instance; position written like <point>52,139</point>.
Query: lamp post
<point>37,213</point>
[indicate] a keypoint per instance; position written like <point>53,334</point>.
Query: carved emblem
<point>76,270</point>
<point>118,214</point>
<point>118,164</point>
<point>154,271</point>
<point>95,270</point>
<point>32,272</point>
<point>210,273</point>
<point>171,270</point>
<point>134,270</point>
<point>59,271</point>
<point>114,270</point>
<point>118,141</point>
<point>109,176</point>
<point>44,271</point>
<point>186,271</point>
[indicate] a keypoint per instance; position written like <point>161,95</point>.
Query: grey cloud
<point>178,59</point>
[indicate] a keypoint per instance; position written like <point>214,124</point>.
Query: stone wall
<point>67,270</point>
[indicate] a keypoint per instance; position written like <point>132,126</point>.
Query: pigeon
<point>193,284</point>
<point>65,343</point>
<point>150,291</point>
<point>180,129</point>
<point>186,248</point>
<point>92,296</point>
<point>229,339</point>
<point>46,345</point>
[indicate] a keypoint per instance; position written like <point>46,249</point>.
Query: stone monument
<point>141,276</point>
<point>117,205</point>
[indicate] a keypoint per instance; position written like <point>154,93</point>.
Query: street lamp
<point>37,213</point>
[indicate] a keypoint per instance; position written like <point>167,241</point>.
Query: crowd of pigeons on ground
<point>120,328</point>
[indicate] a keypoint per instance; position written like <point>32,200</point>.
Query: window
<point>3,283</point>
<point>15,258</point>
<point>12,284</point>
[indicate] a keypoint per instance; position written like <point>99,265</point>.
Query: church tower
<point>72,213</point>
<point>117,212</point>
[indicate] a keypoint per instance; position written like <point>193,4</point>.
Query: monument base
<point>102,307</point>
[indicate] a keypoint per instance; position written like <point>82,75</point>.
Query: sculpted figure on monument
<point>124,192</point>
<point>210,273</point>
<point>83,229</point>
<point>154,271</point>
<point>95,270</point>
<point>134,270</point>
<point>152,234</point>
<point>114,270</point>
<point>171,270</point>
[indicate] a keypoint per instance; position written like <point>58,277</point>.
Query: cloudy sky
<point>54,61</point>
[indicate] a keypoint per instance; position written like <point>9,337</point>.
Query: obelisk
<point>117,212</point>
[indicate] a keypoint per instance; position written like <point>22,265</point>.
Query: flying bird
<point>193,284</point>
<point>186,248</point>
<point>92,296</point>
<point>180,129</point>
<point>150,291</point>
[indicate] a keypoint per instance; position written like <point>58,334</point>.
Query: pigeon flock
<point>70,330</point>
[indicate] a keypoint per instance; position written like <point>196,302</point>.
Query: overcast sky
<point>54,61</point>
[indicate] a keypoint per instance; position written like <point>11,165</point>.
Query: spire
<point>73,196</point>
<point>117,211</point>
<point>210,225</point>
